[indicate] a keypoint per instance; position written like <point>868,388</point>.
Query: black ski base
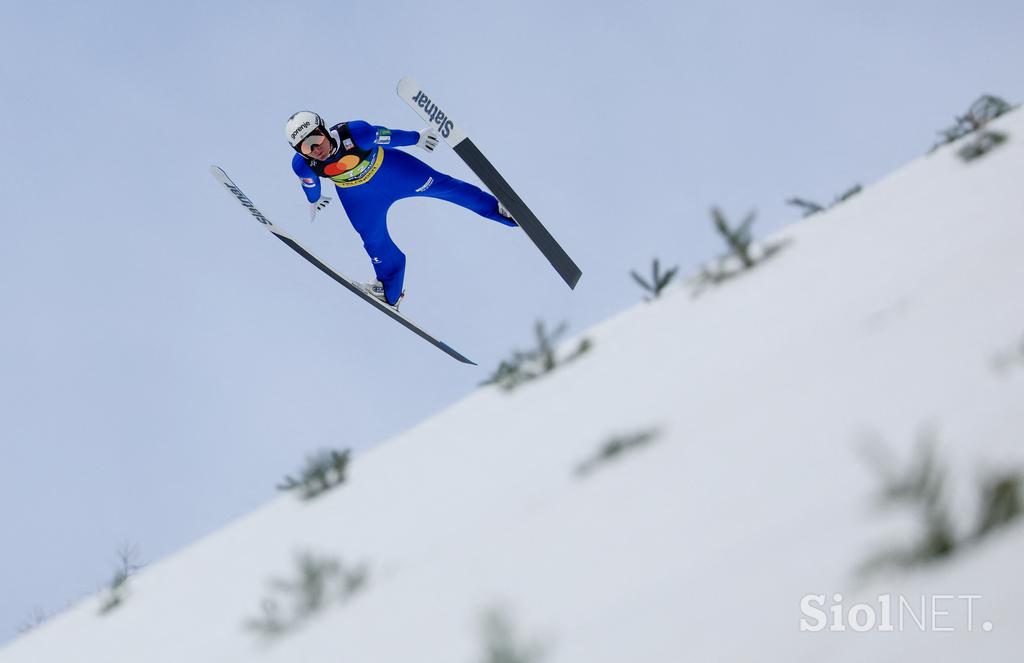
<point>526,219</point>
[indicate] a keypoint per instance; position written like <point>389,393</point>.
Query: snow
<point>880,320</point>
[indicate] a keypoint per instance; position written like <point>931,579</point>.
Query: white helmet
<point>301,125</point>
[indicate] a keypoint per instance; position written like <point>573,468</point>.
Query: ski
<point>354,287</point>
<point>431,112</point>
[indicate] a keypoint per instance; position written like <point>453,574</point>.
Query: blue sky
<point>165,361</point>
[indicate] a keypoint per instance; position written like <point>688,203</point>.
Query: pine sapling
<point>614,448</point>
<point>846,195</point>
<point>323,471</point>
<point>809,207</point>
<point>738,239</point>
<point>985,142</point>
<point>657,282</point>
<point>922,487</point>
<point>321,581</point>
<point>532,364</point>
<point>741,250</point>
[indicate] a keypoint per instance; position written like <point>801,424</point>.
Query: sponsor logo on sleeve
<point>383,136</point>
<point>308,182</point>
<point>348,143</point>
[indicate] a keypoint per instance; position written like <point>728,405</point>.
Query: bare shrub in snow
<point>985,109</point>
<point>614,449</point>
<point>744,254</point>
<point>810,207</point>
<point>320,581</point>
<point>525,366</point>
<point>658,280</point>
<point>323,471</point>
<point>501,643</point>
<point>127,566</point>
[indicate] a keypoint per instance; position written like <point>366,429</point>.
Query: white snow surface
<point>882,318</point>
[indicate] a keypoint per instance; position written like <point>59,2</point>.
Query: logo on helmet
<point>302,127</point>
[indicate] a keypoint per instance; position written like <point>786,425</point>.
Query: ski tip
<point>407,88</point>
<point>455,353</point>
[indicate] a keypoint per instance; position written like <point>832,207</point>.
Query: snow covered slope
<point>882,318</point>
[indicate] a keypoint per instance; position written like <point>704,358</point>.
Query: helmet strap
<point>334,143</point>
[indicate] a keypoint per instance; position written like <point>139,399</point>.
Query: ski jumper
<point>370,175</point>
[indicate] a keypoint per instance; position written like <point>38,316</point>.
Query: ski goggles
<point>314,139</point>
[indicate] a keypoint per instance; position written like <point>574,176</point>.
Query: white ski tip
<point>430,111</point>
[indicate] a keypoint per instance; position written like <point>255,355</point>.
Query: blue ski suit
<point>370,175</point>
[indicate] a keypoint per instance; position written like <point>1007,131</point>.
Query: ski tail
<point>524,216</point>
<point>222,177</point>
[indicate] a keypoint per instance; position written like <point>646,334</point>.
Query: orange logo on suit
<point>350,170</point>
<point>342,165</point>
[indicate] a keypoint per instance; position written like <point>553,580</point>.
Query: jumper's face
<point>316,145</point>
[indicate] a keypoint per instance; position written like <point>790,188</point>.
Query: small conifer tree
<point>810,207</point>
<point>922,487</point>
<point>658,280</point>
<point>525,366</point>
<point>320,581</point>
<point>741,250</point>
<point>614,449</point>
<point>738,239</point>
<point>985,142</point>
<point>323,471</point>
